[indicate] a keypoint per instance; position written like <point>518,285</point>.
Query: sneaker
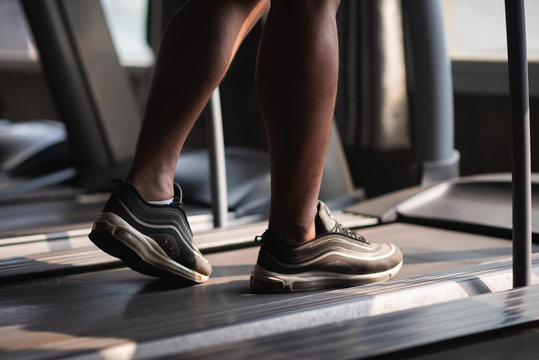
<point>155,240</point>
<point>336,257</point>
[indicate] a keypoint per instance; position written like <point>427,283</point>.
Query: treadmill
<point>453,297</point>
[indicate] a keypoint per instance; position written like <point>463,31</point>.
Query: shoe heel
<point>264,282</point>
<point>269,285</point>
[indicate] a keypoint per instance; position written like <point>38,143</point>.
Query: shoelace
<point>339,228</point>
<point>344,230</point>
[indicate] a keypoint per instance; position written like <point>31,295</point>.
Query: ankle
<point>294,234</point>
<point>153,190</point>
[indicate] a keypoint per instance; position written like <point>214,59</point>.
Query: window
<point>127,23</point>
<point>477,44</point>
<point>476,29</point>
<point>126,19</point>
<point>15,37</point>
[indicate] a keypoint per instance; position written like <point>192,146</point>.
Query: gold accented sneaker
<point>155,240</point>
<point>336,257</point>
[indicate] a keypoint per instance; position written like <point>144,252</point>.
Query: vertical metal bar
<point>435,156</point>
<point>217,163</point>
<point>520,128</point>
<point>433,86</point>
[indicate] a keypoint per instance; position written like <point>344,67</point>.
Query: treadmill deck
<point>110,309</point>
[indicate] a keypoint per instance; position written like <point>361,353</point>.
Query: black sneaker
<point>337,257</point>
<point>155,240</point>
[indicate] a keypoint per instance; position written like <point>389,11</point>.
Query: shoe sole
<point>141,253</point>
<point>263,280</point>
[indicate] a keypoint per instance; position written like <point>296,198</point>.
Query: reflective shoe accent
<point>337,257</point>
<point>155,240</point>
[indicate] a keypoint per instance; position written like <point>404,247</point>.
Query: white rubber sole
<point>267,281</point>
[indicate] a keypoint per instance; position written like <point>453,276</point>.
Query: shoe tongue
<point>323,220</point>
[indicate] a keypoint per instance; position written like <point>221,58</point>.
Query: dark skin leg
<point>296,87</point>
<point>193,57</point>
<point>297,76</point>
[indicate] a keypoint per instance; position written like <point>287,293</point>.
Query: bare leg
<point>297,74</point>
<point>296,86</point>
<point>194,54</point>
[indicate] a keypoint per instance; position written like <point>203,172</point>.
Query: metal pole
<point>435,156</point>
<point>520,129</point>
<point>217,163</point>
